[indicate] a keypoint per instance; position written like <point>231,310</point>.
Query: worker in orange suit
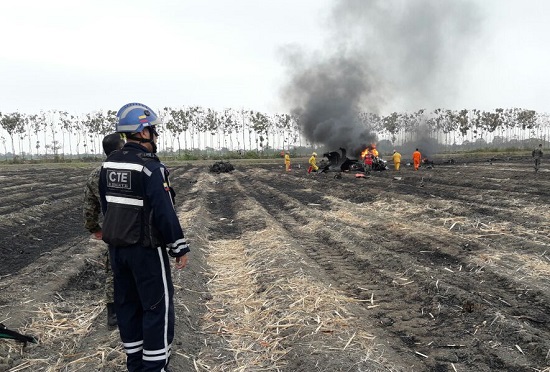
<point>287,162</point>
<point>417,156</point>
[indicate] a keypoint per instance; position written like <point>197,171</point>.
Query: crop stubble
<point>445,269</point>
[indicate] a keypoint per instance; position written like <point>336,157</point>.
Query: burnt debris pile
<point>335,162</point>
<point>222,167</point>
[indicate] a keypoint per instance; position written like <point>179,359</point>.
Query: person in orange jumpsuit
<point>417,156</point>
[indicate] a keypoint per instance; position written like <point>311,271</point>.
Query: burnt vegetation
<point>295,270</point>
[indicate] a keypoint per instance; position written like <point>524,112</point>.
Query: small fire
<point>370,150</point>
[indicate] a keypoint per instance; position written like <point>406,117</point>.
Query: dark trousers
<point>144,306</point>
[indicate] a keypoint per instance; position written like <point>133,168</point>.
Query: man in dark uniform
<point>537,155</point>
<point>141,227</point>
<point>91,211</point>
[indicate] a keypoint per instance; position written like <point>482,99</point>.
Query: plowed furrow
<point>340,264</point>
<point>488,218</point>
<point>441,307</point>
<point>266,211</point>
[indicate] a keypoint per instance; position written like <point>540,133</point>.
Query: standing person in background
<point>313,163</point>
<point>142,228</point>
<point>537,155</point>
<point>368,162</point>
<point>287,161</point>
<point>417,156</point>
<point>396,160</point>
<point>91,211</point>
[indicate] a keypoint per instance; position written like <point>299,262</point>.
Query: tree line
<point>56,133</point>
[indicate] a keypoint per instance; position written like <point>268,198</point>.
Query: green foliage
<point>461,130</point>
<point>12,123</point>
<point>485,150</point>
<point>391,123</point>
<point>251,155</point>
<point>261,125</point>
<point>188,155</point>
<point>526,118</point>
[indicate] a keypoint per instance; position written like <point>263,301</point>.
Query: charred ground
<point>442,269</point>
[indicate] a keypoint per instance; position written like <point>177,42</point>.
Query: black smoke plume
<point>390,55</point>
<point>327,98</point>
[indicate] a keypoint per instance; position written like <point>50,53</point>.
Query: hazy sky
<point>85,55</point>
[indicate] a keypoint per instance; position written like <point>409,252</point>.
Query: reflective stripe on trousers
<point>144,306</point>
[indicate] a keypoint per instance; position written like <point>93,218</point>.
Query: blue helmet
<point>133,117</point>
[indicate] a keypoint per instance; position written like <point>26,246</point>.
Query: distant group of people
<point>371,154</point>
<point>368,158</point>
<point>312,162</point>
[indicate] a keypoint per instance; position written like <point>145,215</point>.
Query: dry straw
<point>264,302</point>
<point>62,327</point>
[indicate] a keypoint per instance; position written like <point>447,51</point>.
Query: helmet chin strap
<point>153,144</point>
<point>145,140</point>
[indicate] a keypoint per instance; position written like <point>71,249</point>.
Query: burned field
<point>444,269</point>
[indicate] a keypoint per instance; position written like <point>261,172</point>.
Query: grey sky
<point>86,55</point>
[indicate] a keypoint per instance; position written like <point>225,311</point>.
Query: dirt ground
<point>443,269</point>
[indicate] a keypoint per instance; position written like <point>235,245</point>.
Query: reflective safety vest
<point>128,217</point>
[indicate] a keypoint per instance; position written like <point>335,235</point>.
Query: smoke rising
<point>327,96</point>
<point>379,56</point>
<point>427,145</point>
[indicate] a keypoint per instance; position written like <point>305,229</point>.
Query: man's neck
<point>145,145</point>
